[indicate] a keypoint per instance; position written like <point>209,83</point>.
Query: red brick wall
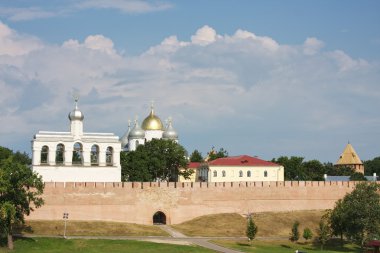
<point>136,202</point>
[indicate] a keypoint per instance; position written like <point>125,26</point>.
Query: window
<point>109,154</point>
<point>94,155</point>
<point>223,173</point>
<point>249,173</point>
<point>77,154</point>
<point>137,143</point>
<point>265,173</point>
<point>60,154</point>
<point>215,173</point>
<point>44,155</point>
<point>240,173</point>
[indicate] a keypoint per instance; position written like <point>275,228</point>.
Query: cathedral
<point>151,128</point>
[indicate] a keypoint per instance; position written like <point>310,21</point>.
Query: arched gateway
<point>159,218</point>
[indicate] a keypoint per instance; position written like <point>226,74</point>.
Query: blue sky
<point>264,78</point>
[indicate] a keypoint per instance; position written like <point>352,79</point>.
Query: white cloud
<point>127,6</point>
<point>13,43</point>
<point>246,85</point>
<point>204,36</point>
<point>95,42</point>
<point>312,45</point>
<point>264,41</point>
<point>345,62</point>
<point>58,9</point>
<point>23,14</point>
<point>101,43</point>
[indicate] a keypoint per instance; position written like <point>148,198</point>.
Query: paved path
<point>206,244</point>
<point>171,231</point>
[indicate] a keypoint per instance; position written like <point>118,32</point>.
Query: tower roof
<point>349,156</point>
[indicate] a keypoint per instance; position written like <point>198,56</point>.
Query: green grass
<point>91,228</point>
<point>283,247</point>
<point>56,245</point>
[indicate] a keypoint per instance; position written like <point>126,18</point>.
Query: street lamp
<point>65,217</point>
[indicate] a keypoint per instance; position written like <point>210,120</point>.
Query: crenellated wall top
<point>189,185</point>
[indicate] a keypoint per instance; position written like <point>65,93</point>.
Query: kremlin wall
<point>135,202</point>
<point>66,160</point>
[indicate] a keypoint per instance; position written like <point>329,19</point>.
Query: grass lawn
<point>91,228</point>
<point>225,224</point>
<point>56,245</point>
<point>283,247</point>
<point>232,224</point>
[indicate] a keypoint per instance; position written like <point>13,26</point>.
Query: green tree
<point>323,232</point>
<point>5,153</point>
<point>293,167</point>
<point>295,234</point>
<point>337,219</point>
<point>307,234</point>
<point>332,170</point>
<point>313,170</point>
<point>20,191</point>
<point>158,159</point>
<point>212,155</point>
<point>7,219</point>
<point>361,213</point>
<point>196,156</point>
<point>372,166</point>
<point>357,176</point>
<point>22,158</point>
<point>251,229</point>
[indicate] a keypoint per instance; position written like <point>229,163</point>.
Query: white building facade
<point>76,156</point>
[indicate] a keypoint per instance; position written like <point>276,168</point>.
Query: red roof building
<point>243,160</point>
<point>236,169</point>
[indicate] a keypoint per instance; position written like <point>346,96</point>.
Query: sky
<point>263,78</point>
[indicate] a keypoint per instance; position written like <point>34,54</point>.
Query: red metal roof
<point>243,160</point>
<point>193,165</point>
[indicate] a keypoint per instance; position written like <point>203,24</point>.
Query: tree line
<point>165,160</point>
<point>297,169</point>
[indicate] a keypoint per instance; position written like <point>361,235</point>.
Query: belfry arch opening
<point>159,218</point>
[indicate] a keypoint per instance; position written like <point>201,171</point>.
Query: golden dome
<point>152,122</point>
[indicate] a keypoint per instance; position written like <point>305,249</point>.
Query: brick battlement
<point>145,185</point>
<point>137,202</point>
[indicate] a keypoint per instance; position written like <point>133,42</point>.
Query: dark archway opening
<point>159,218</point>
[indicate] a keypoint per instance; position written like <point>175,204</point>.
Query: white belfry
<point>76,156</point>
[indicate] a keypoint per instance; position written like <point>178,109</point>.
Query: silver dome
<point>170,133</point>
<point>137,132</point>
<point>76,114</point>
<point>124,138</point>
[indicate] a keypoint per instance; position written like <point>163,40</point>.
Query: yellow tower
<point>350,158</point>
